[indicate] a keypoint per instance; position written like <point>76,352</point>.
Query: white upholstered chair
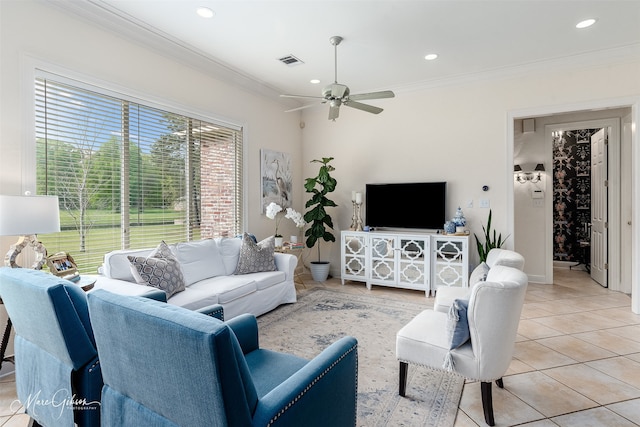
<point>445,296</point>
<point>493,314</point>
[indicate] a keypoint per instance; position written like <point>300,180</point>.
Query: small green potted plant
<point>319,220</point>
<point>490,241</point>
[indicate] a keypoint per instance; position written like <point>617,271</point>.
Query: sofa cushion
<point>230,252</point>
<point>267,279</point>
<point>161,270</point>
<point>199,260</point>
<point>117,266</point>
<point>227,288</point>
<point>256,257</point>
<point>479,274</point>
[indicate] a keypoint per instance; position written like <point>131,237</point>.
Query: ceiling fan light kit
<point>337,94</point>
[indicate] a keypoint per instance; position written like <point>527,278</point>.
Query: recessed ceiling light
<point>586,23</point>
<point>431,56</point>
<point>315,81</point>
<point>205,12</point>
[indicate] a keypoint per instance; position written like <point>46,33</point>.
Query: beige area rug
<point>321,316</point>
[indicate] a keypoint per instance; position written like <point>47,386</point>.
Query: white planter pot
<point>319,270</point>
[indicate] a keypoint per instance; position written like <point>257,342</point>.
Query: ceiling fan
<point>337,94</point>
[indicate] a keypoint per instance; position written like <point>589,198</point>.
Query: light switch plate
<point>484,203</point>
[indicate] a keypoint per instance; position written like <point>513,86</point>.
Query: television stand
<point>408,260</point>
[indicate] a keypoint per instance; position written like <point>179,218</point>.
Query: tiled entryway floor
<point>576,359</point>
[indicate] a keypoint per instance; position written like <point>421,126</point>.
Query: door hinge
<point>606,182</point>
<point>606,266</point>
<point>606,225</point>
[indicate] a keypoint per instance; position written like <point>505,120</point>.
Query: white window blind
<point>129,175</point>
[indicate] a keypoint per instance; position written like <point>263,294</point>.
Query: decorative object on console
<point>357,214</point>
<point>459,220</point>
<point>449,227</point>
<point>490,241</point>
<point>319,186</point>
<point>26,216</point>
<point>354,218</point>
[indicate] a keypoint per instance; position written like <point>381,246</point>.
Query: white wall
<point>458,134</point>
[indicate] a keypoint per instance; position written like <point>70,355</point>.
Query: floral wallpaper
<point>571,192</point>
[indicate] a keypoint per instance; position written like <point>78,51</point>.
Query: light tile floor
<point>576,359</point>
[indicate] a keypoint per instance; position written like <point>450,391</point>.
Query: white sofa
<point>208,268</point>
<point>445,296</point>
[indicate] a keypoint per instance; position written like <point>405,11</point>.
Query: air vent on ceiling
<point>290,60</point>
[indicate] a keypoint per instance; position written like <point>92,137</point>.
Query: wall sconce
<point>522,176</point>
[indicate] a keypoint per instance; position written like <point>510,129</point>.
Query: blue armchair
<point>58,377</point>
<point>166,366</point>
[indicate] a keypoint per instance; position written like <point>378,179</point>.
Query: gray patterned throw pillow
<point>256,257</point>
<point>161,270</point>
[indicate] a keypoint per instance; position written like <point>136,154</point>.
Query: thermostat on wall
<point>537,194</point>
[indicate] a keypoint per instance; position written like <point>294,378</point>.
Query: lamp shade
<point>26,215</point>
<point>517,168</point>
<point>539,167</point>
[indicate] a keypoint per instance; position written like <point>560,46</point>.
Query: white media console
<point>410,260</point>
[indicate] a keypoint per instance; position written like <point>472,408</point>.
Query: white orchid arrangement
<point>272,211</point>
<point>296,217</point>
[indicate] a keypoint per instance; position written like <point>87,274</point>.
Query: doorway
<point>581,193</point>
<point>534,220</point>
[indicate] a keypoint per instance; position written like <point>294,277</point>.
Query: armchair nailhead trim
<point>218,314</point>
<point>95,364</point>
<point>312,383</point>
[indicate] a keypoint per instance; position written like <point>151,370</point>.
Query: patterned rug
<point>321,316</point>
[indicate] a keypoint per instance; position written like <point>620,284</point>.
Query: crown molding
<point>133,30</point>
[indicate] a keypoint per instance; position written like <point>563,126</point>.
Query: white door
<point>599,207</point>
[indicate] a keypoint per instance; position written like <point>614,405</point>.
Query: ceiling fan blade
<point>373,95</point>
<point>303,107</point>
<point>364,107</point>
<point>301,96</point>
<point>334,112</point>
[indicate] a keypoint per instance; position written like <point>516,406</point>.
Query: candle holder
<point>354,218</point>
<point>358,217</point>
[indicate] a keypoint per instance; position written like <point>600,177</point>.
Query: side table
<point>297,251</point>
<point>86,283</point>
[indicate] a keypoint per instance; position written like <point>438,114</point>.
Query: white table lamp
<point>26,216</point>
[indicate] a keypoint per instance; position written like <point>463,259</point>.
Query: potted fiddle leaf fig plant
<point>320,222</point>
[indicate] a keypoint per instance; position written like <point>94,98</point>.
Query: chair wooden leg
<point>402,387</point>
<point>487,403</point>
<point>499,383</point>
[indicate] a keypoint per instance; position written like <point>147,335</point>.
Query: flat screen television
<point>400,205</point>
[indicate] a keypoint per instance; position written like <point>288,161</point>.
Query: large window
<point>129,175</point>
